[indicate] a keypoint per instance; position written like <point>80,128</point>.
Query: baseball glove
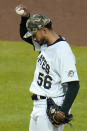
<point>55,115</point>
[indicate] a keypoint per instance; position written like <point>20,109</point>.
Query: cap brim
<point>28,34</point>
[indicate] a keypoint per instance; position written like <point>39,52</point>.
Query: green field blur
<point>17,65</point>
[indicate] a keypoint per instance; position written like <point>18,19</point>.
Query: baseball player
<point>55,74</point>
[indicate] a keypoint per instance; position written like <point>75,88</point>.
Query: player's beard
<point>42,41</point>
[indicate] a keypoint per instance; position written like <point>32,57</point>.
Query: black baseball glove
<point>55,115</point>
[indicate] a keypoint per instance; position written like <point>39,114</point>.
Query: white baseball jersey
<point>55,65</point>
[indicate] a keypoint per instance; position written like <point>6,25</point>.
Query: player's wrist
<point>26,15</point>
<point>24,18</point>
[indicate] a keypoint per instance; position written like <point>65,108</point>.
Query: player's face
<point>39,37</point>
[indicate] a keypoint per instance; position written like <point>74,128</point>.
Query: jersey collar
<point>58,40</point>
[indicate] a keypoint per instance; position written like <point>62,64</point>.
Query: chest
<point>45,61</point>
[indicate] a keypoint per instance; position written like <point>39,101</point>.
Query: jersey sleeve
<point>67,66</point>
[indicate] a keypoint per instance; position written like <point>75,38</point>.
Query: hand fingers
<point>20,7</point>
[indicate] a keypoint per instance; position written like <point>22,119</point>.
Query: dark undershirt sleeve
<point>23,30</point>
<point>71,89</point>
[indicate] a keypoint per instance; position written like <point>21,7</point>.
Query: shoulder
<point>64,51</point>
<point>64,46</point>
<point>60,43</point>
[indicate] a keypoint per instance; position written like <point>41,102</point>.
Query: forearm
<point>71,93</point>
<point>23,29</point>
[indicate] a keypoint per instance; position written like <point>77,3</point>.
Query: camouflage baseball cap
<point>35,23</point>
